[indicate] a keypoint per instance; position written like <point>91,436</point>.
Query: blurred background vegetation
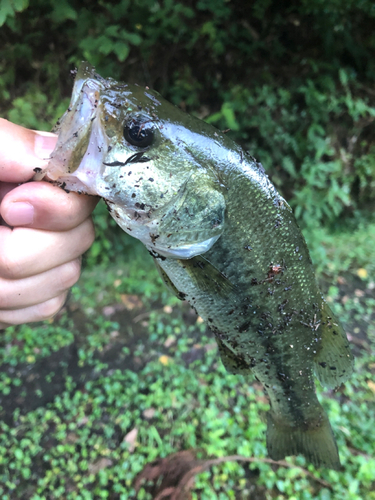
<point>89,399</point>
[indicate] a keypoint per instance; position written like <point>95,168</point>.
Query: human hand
<point>40,254</point>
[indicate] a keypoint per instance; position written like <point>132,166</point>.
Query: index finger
<point>22,150</point>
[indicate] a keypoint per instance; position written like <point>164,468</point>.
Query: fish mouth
<point>78,155</point>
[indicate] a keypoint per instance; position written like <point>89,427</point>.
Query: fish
<point>222,238</point>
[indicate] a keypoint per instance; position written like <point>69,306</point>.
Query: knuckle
<point>5,300</point>
<point>50,308</point>
<point>70,273</point>
<point>10,268</point>
<point>88,233</point>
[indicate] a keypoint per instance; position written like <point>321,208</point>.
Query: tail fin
<point>315,442</point>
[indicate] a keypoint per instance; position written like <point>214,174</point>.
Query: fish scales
<point>222,238</point>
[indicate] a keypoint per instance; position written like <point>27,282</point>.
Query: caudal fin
<point>315,442</point>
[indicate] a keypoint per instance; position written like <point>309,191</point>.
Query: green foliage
<point>298,136</point>
<point>98,432</point>
<point>8,9</point>
<point>294,82</point>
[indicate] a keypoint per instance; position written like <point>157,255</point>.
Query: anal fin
<point>334,360</point>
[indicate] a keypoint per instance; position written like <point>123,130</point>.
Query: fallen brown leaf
<point>131,439</point>
<point>100,464</point>
<point>173,476</point>
<point>131,301</point>
<point>149,413</point>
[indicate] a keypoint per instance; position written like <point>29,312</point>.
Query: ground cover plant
<point>127,374</point>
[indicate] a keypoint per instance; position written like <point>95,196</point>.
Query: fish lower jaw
<point>146,231</point>
<point>187,251</point>
<point>73,183</point>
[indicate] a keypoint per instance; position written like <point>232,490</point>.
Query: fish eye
<point>139,133</point>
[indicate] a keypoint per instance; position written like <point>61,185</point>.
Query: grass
<point>127,374</point>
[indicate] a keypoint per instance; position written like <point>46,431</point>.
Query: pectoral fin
<point>167,281</point>
<point>209,279</point>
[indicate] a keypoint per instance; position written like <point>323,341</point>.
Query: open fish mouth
<point>76,160</point>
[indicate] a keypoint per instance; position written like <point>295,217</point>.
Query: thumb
<point>22,150</point>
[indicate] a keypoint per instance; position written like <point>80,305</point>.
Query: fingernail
<point>19,213</point>
<point>44,144</point>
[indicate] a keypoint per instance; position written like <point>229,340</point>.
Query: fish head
<point>137,151</point>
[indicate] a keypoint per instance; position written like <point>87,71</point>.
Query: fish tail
<point>315,441</point>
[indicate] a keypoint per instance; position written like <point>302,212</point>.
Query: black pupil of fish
<point>138,134</point>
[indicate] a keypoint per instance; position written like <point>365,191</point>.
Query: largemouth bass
<point>222,238</point>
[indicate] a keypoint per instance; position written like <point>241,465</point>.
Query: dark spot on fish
<point>134,195</point>
<point>140,205</point>
<point>230,312</point>
<point>156,255</point>
<point>281,376</point>
<point>154,237</point>
<point>260,167</point>
<point>332,367</point>
<point>244,326</point>
<point>75,134</point>
<point>323,364</point>
<point>254,281</point>
<point>282,305</point>
<point>109,148</point>
<point>199,264</point>
<point>151,179</point>
<point>181,295</point>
